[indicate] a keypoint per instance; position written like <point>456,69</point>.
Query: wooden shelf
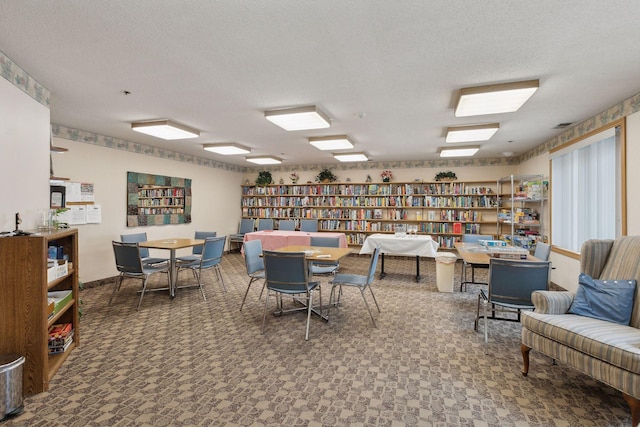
<point>24,321</point>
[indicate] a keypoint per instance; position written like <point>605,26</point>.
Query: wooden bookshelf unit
<point>24,315</point>
<point>444,210</point>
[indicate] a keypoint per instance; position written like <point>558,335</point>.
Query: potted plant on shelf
<point>326,175</point>
<point>294,177</point>
<point>264,178</point>
<point>446,176</point>
<point>386,175</point>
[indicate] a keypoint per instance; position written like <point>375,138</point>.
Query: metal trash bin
<point>445,268</point>
<point>10,384</point>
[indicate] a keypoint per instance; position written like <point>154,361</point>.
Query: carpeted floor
<point>204,363</point>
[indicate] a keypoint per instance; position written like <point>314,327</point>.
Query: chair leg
<point>486,329</point>
<point>475,323</point>
<point>368,309</point>
<point>374,297</point>
<point>116,286</point>
<point>264,315</point>
<point>525,358</point>
<point>331,301</point>
<point>309,305</point>
<point>199,278</point>
<point>144,288</point>
<point>219,273</point>
<point>245,294</point>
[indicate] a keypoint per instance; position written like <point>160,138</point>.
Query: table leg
<point>382,273</point>
<point>173,274</point>
<point>417,268</point>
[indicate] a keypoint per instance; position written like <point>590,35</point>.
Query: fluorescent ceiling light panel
<point>264,160</point>
<point>467,151</point>
<point>494,99</point>
<point>228,148</point>
<point>336,142</point>
<point>165,129</point>
<point>471,133</point>
<point>300,118</point>
<point>351,157</point>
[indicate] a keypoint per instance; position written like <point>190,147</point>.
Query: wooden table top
<point>474,253</point>
<point>171,243</point>
<point>318,253</point>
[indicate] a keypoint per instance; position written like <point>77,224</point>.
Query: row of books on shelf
<point>378,189</point>
<point>60,338</point>
<point>372,201</point>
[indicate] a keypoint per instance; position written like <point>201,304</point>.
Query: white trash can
<point>10,384</point>
<point>445,269</point>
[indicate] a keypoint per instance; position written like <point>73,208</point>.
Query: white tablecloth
<point>408,245</point>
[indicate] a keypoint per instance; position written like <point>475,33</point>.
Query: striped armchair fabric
<point>607,351</point>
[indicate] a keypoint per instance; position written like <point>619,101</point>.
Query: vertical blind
<point>586,201</point>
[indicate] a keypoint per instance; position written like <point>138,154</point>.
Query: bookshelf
<point>444,210</point>
<point>24,309</point>
<point>519,216</point>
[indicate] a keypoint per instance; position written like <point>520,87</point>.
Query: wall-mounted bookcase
<point>157,200</point>
<point>444,210</point>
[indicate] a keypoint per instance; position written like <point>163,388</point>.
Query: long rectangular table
<point>419,245</point>
<point>276,239</point>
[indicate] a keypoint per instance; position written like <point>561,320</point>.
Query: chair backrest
<point>136,238</point>
<point>309,225</point>
<point>513,281</point>
<point>252,259</point>
<point>265,224</point>
<point>373,265</point>
<point>475,238</point>
<point>542,251</point>
<point>212,251</point>
<point>286,271</point>
<point>246,225</point>
<point>327,242</point>
<point>200,235</point>
<point>127,257</point>
<point>287,224</point>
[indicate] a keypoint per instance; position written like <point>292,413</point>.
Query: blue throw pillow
<point>610,300</point>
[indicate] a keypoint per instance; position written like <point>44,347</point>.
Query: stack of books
<point>60,337</point>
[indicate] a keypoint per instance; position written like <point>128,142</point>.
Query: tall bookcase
<point>520,210</point>
<point>24,315</point>
<point>444,210</point>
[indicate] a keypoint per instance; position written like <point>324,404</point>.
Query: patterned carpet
<point>189,362</point>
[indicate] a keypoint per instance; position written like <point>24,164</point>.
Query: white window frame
<point>588,188</point>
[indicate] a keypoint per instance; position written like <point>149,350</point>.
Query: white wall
<point>215,201</point>
<point>24,151</point>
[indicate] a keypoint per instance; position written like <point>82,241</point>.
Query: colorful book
<point>61,330</point>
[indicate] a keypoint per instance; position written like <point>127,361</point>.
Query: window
<point>587,188</point>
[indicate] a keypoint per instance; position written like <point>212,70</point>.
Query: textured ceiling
<point>217,65</point>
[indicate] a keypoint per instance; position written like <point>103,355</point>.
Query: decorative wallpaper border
<point>16,75</point>
<point>71,134</point>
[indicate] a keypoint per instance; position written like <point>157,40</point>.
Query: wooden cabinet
<point>24,316</point>
<point>445,210</point>
<point>520,210</point>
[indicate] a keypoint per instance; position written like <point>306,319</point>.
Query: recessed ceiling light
<point>300,118</point>
<point>351,157</point>
<point>264,160</point>
<point>493,99</point>
<point>165,129</point>
<point>336,142</point>
<point>471,133</point>
<point>227,149</point>
<point>467,151</point>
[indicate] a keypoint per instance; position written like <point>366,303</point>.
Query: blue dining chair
<point>287,224</point>
<point>196,252</point>
<point>144,252</point>
<point>309,225</point>
<point>325,267</point>
<point>286,275</point>
<point>210,259</point>
<point>254,263</point>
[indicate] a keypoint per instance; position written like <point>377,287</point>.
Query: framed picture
<point>57,196</point>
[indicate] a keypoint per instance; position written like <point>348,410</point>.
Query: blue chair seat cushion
<point>291,290</point>
<point>150,260</point>
<point>349,280</point>
<point>610,300</point>
<point>188,258</point>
